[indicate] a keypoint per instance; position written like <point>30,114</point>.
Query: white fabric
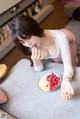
<point>62,45</point>
<point>39,68</point>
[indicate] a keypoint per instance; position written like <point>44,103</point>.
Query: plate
<point>49,82</point>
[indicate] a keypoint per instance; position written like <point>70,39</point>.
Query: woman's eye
<point>24,37</point>
<point>22,42</point>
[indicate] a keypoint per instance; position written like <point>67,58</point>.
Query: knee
<point>3,97</point>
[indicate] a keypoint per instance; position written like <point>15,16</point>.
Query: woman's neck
<point>47,39</point>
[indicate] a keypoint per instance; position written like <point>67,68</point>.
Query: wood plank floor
<point>60,20</point>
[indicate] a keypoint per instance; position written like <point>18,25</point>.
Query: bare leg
<point>3,97</point>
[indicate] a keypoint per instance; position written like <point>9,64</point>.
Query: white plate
<point>44,84</point>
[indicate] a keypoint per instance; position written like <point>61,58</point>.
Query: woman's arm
<point>67,90</point>
<point>66,56</point>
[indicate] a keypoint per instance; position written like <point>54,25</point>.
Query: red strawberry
<point>54,81</point>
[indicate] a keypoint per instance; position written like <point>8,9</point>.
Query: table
<point>27,101</point>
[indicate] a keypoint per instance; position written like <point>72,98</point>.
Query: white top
<point>63,48</point>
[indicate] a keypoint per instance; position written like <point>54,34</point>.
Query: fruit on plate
<point>50,82</point>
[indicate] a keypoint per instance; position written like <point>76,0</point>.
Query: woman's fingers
<point>32,53</point>
<point>41,56</point>
<point>67,90</point>
<point>36,54</point>
<point>67,95</point>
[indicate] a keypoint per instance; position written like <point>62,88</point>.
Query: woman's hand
<point>67,90</point>
<point>36,56</point>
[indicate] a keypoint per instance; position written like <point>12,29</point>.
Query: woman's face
<point>33,41</point>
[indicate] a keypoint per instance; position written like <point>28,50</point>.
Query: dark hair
<point>25,27</point>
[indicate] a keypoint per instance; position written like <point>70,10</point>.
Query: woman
<point>57,44</point>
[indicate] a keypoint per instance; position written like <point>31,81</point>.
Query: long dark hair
<point>25,27</point>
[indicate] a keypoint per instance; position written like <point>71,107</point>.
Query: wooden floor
<point>59,19</point>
